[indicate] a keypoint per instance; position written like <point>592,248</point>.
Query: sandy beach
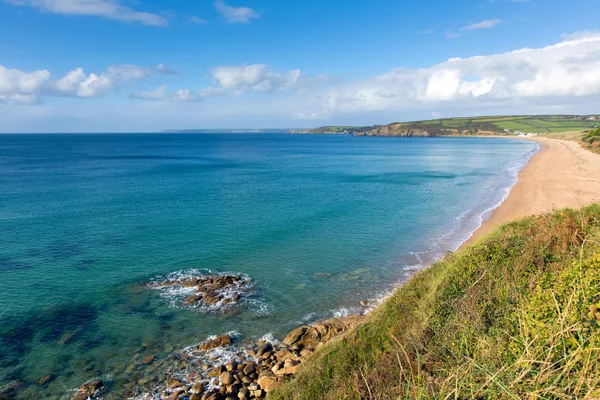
<point>562,174</point>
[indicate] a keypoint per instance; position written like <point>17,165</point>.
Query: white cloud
<point>160,93</point>
<point>556,75</point>
<point>197,20</point>
<point>99,8</point>
<point>18,86</point>
<point>257,78</point>
<point>235,14</point>
<point>488,23</point>
<point>560,78</point>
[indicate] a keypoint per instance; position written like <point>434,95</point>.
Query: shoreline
<point>561,174</point>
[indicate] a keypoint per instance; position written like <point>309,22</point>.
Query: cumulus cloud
<point>558,78</point>
<point>235,14</point>
<point>18,86</point>
<point>558,74</point>
<point>98,8</point>
<point>257,78</point>
<point>488,23</point>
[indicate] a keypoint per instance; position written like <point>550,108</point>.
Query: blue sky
<point>124,65</point>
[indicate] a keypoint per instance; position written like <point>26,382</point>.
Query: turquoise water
<point>318,222</point>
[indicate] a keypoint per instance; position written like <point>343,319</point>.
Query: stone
<point>148,360</point>
<point>197,387</point>
<point>231,366</point>
<point>294,336</point>
<point>174,383</point>
<point>249,368</point>
<point>267,383</point>
<point>195,396</point>
<point>233,389</point>
<point>44,380</point>
<point>88,390</point>
<point>219,341</point>
<point>226,378</point>
<point>290,363</point>
<point>216,371</point>
<point>286,371</point>
<point>282,355</point>
<point>252,387</point>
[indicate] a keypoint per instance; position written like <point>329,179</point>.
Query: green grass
<point>516,316</point>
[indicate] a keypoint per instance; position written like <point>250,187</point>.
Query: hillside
<point>540,124</point>
<point>515,316</point>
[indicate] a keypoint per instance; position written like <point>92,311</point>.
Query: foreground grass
<point>514,317</point>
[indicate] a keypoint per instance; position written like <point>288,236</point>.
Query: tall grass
<point>516,316</point>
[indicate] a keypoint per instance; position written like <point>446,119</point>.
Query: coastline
<point>561,174</point>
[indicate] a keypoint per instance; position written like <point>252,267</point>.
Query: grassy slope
<point>515,316</point>
<point>547,124</point>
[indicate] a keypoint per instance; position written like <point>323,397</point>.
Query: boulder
<point>219,341</point>
<point>88,390</point>
<point>226,378</point>
<point>267,383</point>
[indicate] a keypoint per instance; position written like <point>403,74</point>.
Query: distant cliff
<point>395,129</point>
<point>406,130</point>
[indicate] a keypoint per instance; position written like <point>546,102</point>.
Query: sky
<point>149,65</point>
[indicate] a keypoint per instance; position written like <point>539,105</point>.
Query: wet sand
<point>562,174</point>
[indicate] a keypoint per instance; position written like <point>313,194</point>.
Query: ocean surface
<point>319,223</point>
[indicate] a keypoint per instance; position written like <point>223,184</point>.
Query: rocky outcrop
<point>257,368</point>
<point>209,290</point>
<point>406,130</point>
<point>311,335</point>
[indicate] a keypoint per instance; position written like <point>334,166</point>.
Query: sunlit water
<point>318,222</point>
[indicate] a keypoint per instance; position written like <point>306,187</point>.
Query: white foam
<point>175,295</point>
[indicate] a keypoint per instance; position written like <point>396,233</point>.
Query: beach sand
<point>562,174</point>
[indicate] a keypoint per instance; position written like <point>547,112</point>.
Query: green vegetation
<point>592,140</point>
<point>542,124</point>
<point>515,316</point>
<point>526,124</point>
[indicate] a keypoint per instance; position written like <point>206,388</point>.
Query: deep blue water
<point>318,222</point>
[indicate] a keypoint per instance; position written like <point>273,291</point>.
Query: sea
<point>323,225</point>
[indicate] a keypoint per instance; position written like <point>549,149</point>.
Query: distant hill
<point>489,125</point>
<point>227,130</point>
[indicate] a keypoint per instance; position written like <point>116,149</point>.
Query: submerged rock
<point>88,390</point>
<point>209,290</point>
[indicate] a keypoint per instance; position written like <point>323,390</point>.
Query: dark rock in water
<point>210,290</point>
<point>44,380</point>
<point>219,341</point>
<point>88,390</point>
<point>148,360</point>
<point>8,391</point>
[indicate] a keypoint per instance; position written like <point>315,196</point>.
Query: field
<point>542,124</point>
